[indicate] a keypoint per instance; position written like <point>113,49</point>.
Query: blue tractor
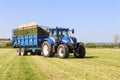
<point>47,42</point>
<point>60,42</point>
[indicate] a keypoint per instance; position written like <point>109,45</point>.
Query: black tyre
<point>23,52</point>
<point>63,51</point>
<point>80,52</point>
<point>18,51</point>
<point>47,49</point>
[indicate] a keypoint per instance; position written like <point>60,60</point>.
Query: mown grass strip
<point>15,67</point>
<point>25,69</point>
<point>43,70</point>
<point>5,61</point>
<point>71,71</point>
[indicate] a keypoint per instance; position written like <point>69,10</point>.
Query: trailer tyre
<point>47,49</point>
<point>18,51</point>
<point>63,51</point>
<point>80,52</point>
<point>23,52</point>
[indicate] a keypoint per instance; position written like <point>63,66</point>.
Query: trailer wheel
<point>18,51</point>
<point>80,52</point>
<point>63,51</point>
<point>23,51</point>
<point>47,49</point>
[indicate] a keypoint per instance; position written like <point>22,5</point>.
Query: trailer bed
<point>31,36</point>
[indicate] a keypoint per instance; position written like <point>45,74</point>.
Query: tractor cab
<point>61,35</point>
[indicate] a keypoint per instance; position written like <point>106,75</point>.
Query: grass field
<point>99,64</point>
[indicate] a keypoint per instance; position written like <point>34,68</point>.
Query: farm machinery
<point>46,41</point>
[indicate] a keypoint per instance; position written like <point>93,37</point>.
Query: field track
<point>99,64</point>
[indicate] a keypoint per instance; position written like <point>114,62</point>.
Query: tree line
<point>6,44</point>
<point>104,45</point>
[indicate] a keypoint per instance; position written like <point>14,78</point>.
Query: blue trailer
<point>46,42</point>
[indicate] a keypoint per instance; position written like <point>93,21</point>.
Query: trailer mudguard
<point>50,41</point>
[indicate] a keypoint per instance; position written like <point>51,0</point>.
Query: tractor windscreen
<point>60,33</point>
<point>65,33</point>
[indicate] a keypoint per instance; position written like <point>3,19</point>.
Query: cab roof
<point>59,28</point>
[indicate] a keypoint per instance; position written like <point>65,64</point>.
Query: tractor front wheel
<point>63,51</point>
<point>80,52</point>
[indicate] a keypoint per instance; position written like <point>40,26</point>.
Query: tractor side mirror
<point>72,31</point>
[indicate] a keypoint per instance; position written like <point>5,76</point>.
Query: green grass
<point>99,64</point>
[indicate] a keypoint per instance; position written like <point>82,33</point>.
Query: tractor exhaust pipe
<point>57,34</point>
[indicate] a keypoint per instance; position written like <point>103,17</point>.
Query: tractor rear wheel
<point>47,49</point>
<point>23,52</point>
<point>80,52</point>
<point>63,51</point>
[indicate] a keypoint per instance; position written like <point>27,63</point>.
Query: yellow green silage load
<point>29,29</point>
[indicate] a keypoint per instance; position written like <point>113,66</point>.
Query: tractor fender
<point>50,41</point>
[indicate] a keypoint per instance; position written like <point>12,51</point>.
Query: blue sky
<point>93,20</point>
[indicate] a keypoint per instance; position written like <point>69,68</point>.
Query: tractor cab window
<point>60,33</point>
<point>65,33</point>
<point>53,33</point>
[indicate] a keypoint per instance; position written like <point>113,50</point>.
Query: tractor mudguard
<point>50,41</point>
